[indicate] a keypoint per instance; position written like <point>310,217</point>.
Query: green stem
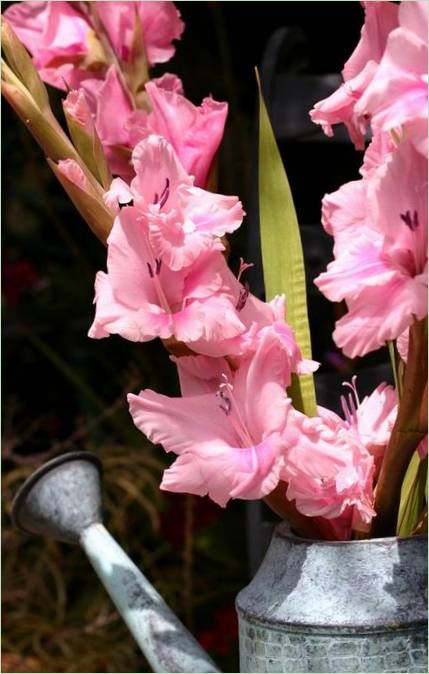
<point>409,429</point>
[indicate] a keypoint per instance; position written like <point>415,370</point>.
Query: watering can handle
<point>165,642</point>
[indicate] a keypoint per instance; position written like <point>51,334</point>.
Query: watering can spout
<point>62,500</point>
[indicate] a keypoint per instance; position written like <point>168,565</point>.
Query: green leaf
<point>413,495</point>
<point>282,257</point>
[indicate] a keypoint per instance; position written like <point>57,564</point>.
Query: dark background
<point>63,391</point>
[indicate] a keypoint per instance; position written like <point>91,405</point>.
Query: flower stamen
<point>243,266</point>
<point>411,222</point>
<point>230,407</point>
<point>162,198</point>
<point>242,298</point>
<point>351,404</point>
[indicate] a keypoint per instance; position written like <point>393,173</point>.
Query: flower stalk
<point>409,430</point>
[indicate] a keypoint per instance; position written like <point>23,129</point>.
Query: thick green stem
<point>409,429</point>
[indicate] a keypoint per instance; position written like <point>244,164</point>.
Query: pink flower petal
<point>246,473</point>
<point>118,195</point>
<point>200,374</point>
<point>154,162</point>
<point>194,132</point>
<point>354,271</point>
<point>183,424</point>
<point>376,317</point>
<point>136,325</point>
<point>328,470</point>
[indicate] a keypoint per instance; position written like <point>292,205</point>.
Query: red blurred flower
<point>18,277</point>
<point>223,635</point>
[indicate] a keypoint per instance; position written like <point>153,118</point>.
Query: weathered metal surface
<point>270,650</point>
<point>167,645</point>
<point>359,606</point>
<point>62,500</point>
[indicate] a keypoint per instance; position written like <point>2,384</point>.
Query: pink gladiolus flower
<point>194,132</point>
<point>141,298</point>
<point>382,273</point>
<point>197,373</point>
<point>328,471</point>
<point>169,82</point>
<point>257,318</point>
<point>358,72</point>
<point>398,93</point>
<point>277,326</point>
<point>160,22</point>
<point>230,441</point>
<point>64,44</point>
<point>182,219</point>
<point>254,314</point>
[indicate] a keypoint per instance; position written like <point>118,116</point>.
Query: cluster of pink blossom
<point>234,430</point>
<point>379,223</point>
<point>89,46</point>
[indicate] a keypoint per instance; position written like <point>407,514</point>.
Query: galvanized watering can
<point>313,606</point>
<point>62,500</point>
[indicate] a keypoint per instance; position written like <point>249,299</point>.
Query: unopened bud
<point>41,125</point>
<point>20,62</point>
<point>76,107</point>
<point>135,67</point>
<point>87,199</point>
<point>82,130</point>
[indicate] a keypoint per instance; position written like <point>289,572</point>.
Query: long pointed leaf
<point>412,495</point>
<point>282,256</point>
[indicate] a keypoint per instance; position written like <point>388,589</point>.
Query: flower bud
<point>20,62</point>
<point>87,199</point>
<point>41,125</point>
<point>82,130</point>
